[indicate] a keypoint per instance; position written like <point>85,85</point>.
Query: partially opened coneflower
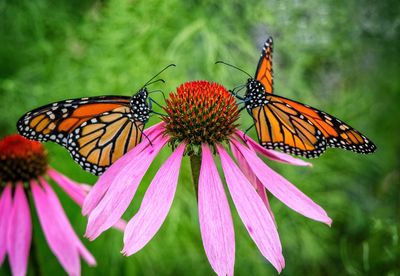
<point>24,174</point>
<point>201,123</point>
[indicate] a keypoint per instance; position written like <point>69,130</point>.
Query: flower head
<point>21,160</point>
<point>201,121</point>
<point>200,112</point>
<point>23,171</point>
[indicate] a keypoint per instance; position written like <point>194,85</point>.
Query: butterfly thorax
<point>255,95</point>
<point>139,106</point>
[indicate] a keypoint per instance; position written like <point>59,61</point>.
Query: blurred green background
<point>340,56</point>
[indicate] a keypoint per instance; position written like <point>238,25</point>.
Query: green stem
<point>195,163</point>
<point>34,258</point>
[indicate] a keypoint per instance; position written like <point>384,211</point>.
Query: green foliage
<point>340,56</point>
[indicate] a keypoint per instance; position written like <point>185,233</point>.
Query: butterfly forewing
<point>281,126</point>
<point>264,72</point>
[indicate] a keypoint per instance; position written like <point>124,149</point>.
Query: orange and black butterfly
<point>291,126</point>
<point>96,130</point>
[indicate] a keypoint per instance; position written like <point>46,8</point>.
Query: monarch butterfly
<point>289,125</point>
<point>96,131</point>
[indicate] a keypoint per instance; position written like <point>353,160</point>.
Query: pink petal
<point>252,211</point>
<point>60,243</point>
<point>125,181</point>
<point>77,192</point>
<point>120,225</point>
<point>104,182</point>
<point>271,154</point>
<point>245,168</point>
<point>86,187</point>
<point>215,217</point>
<point>19,233</point>
<point>73,189</point>
<point>155,205</point>
<point>5,211</point>
<point>154,130</point>
<point>69,231</point>
<point>281,188</point>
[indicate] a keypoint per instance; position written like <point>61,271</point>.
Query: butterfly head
<point>139,106</point>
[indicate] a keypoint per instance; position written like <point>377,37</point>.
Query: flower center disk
<point>200,112</point>
<point>21,159</point>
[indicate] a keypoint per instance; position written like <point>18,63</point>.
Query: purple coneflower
<point>24,174</point>
<point>201,122</point>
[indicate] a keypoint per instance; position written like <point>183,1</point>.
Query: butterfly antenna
<point>147,83</point>
<point>154,81</point>
<point>233,66</point>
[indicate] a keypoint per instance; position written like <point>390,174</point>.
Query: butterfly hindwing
<point>279,125</point>
<point>100,141</point>
<point>299,129</point>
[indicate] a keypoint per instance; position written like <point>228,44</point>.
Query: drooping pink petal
<point>69,231</point>
<point>120,225</point>
<point>86,187</point>
<point>122,189</point>
<point>5,212</point>
<point>282,188</point>
<point>60,243</point>
<point>77,192</point>
<point>252,211</point>
<point>19,233</point>
<point>104,182</point>
<point>215,217</point>
<point>73,189</point>
<point>245,168</point>
<point>271,154</point>
<point>155,204</point>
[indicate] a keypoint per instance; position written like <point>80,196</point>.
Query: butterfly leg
<point>235,93</point>
<point>147,137</point>
<point>158,91</point>
<point>239,97</point>
<point>243,107</point>
<point>244,101</point>
<point>151,101</point>
<point>245,132</point>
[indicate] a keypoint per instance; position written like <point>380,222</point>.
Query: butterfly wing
<point>96,131</point>
<point>264,72</point>
<point>100,141</point>
<point>299,129</point>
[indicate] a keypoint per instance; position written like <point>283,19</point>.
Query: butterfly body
<point>255,95</point>
<point>291,126</point>
<point>139,106</point>
<point>96,130</point>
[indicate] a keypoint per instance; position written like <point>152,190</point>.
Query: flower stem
<point>33,256</point>
<point>195,163</point>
